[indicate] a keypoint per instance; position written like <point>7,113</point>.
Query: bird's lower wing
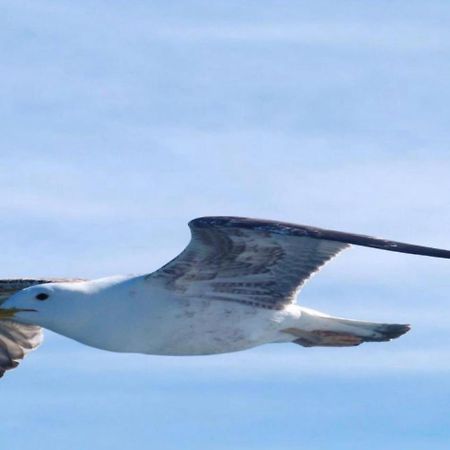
<point>16,340</point>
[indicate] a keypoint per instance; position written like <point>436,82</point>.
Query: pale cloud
<point>397,36</point>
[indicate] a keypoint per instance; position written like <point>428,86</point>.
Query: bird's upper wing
<point>17,339</point>
<point>246,261</point>
<point>259,262</point>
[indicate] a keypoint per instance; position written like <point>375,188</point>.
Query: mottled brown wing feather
<point>261,262</point>
<point>16,340</point>
<point>251,265</point>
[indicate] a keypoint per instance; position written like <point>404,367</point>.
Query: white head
<point>63,306</point>
<point>72,308</point>
<point>48,305</point>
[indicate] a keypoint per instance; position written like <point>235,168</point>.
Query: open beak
<point>9,313</point>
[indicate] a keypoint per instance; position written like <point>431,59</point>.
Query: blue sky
<point>121,121</point>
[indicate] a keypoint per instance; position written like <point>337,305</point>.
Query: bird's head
<point>40,304</point>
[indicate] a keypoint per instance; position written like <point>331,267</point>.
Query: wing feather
<point>260,262</point>
<point>255,266</point>
<point>16,340</point>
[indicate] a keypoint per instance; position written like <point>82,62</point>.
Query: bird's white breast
<point>139,316</point>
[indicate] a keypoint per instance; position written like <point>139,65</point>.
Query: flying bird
<point>232,288</point>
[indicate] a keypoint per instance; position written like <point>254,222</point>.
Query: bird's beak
<point>9,313</point>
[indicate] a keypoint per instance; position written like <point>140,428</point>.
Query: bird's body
<point>139,316</point>
<point>234,287</point>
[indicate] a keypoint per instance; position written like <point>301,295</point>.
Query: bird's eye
<point>42,296</point>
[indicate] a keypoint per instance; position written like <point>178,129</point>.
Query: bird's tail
<point>326,331</point>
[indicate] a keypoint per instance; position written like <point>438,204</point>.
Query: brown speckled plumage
<point>255,266</point>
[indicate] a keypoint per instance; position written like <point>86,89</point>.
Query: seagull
<point>233,287</point>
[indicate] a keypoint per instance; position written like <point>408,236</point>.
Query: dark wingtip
<point>291,229</point>
<point>397,330</point>
<point>388,332</point>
